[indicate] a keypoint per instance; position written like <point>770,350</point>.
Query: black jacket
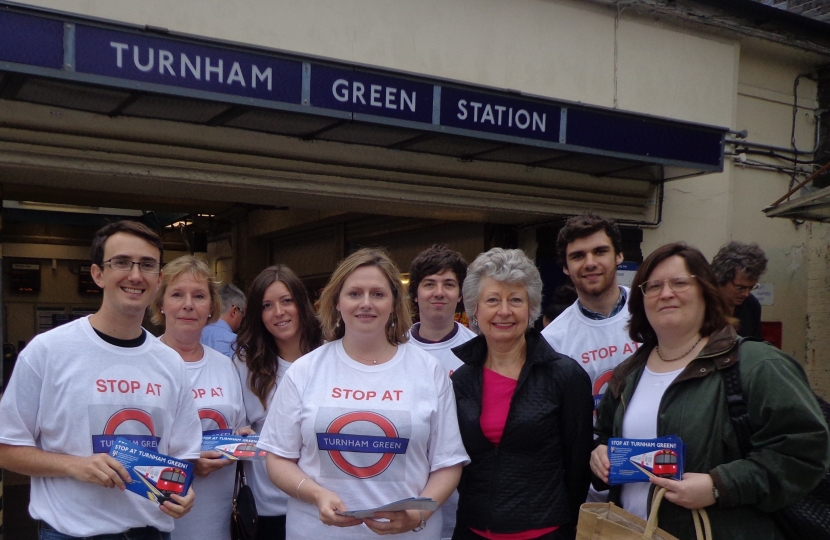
<point>538,475</point>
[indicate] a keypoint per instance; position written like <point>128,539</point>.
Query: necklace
<point>679,357</point>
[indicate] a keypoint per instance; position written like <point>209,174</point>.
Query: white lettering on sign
<point>145,59</point>
<point>386,97</point>
<point>485,113</point>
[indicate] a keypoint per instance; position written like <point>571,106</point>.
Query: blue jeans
<point>46,532</point>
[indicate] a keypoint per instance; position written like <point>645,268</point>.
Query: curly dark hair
<point>256,346</point>
<point>715,316</point>
<point>586,225</point>
<point>435,260</point>
<point>737,257</point>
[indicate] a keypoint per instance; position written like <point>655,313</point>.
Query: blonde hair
<point>198,269</point>
<point>399,322</point>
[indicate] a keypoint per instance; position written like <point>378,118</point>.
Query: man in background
<point>738,267</point>
<point>221,335</point>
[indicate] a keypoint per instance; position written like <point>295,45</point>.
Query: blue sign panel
<point>477,111</point>
<point>173,63</point>
<point>31,40</point>
<point>369,93</point>
<point>644,137</point>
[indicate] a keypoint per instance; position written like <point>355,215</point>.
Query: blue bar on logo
<point>157,60</point>
<point>501,115</point>
<point>31,40</point>
<point>102,443</point>
<point>369,93</point>
<point>345,442</point>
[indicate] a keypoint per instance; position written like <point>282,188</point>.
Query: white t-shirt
<point>598,346</point>
<point>74,393</point>
<point>218,395</point>
<point>270,501</point>
<point>640,422</point>
<point>337,416</point>
<point>443,350</point>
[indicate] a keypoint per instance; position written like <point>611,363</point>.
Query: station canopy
<point>114,69</point>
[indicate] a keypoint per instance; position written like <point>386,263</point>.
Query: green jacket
<point>790,442</point>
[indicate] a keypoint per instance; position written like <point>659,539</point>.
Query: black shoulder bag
<point>809,517</point>
<point>243,512</point>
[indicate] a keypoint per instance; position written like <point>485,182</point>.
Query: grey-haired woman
<point>524,410</point>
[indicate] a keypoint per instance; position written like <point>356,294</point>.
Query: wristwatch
<point>422,525</point>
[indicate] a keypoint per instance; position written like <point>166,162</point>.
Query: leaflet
<point>154,476</point>
<point>232,446</point>
<point>637,460</point>
<point>414,503</point>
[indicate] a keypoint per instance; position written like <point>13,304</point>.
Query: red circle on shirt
<point>362,416</point>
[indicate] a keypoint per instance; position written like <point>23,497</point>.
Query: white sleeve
<point>19,406</point>
<point>282,433</point>
<point>445,446</point>
<point>186,432</point>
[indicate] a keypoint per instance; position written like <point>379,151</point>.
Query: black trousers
<point>270,528</point>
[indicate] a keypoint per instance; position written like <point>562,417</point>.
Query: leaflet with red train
<point>154,476</point>
<point>233,446</point>
<point>637,460</point>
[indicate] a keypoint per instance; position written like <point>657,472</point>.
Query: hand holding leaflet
<point>154,476</point>
<point>414,503</point>
<point>638,460</point>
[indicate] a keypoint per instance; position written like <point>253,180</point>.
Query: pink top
<point>496,394</point>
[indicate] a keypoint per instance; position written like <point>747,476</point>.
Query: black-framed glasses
<point>743,288</point>
<point>679,283</point>
<point>123,264</point>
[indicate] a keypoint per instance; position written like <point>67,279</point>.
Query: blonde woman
<point>186,301</point>
<point>366,419</point>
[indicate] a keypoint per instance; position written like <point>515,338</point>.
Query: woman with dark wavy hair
<point>278,327</point>
<point>675,384</point>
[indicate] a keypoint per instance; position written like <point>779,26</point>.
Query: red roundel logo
<point>378,420</point>
<point>602,381</point>
<point>127,415</point>
<point>215,416</point>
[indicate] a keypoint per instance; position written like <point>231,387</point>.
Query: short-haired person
<point>278,328</point>
<point>593,330</point>
<point>221,334</point>
<point>435,278</point>
<point>524,410</point>
<point>366,419</point>
<point>185,302</point>
<point>673,385</point>
<point>738,267</point>
<point>56,415</point>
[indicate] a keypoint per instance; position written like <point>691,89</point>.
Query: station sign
<point>370,93</point>
<point>150,59</point>
<point>154,61</point>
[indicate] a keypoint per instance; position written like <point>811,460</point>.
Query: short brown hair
<point>125,226</point>
<point>435,260</point>
<point>715,316</point>
<point>583,226</point>
<point>198,269</point>
<point>401,320</point>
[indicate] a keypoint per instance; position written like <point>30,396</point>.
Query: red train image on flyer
<point>167,480</point>
<point>662,463</point>
<point>241,450</point>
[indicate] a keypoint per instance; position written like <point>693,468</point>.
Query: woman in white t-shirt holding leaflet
<point>186,301</point>
<point>278,327</point>
<point>366,419</point>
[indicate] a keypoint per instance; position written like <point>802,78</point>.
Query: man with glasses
<point>78,387</point>
<point>221,335</point>
<point>738,267</point>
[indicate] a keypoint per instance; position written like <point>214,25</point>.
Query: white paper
<point>415,503</point>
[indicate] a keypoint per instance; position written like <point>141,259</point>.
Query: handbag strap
<point>703,529</point>
<point>736,403</point>
<point>240,479</point>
